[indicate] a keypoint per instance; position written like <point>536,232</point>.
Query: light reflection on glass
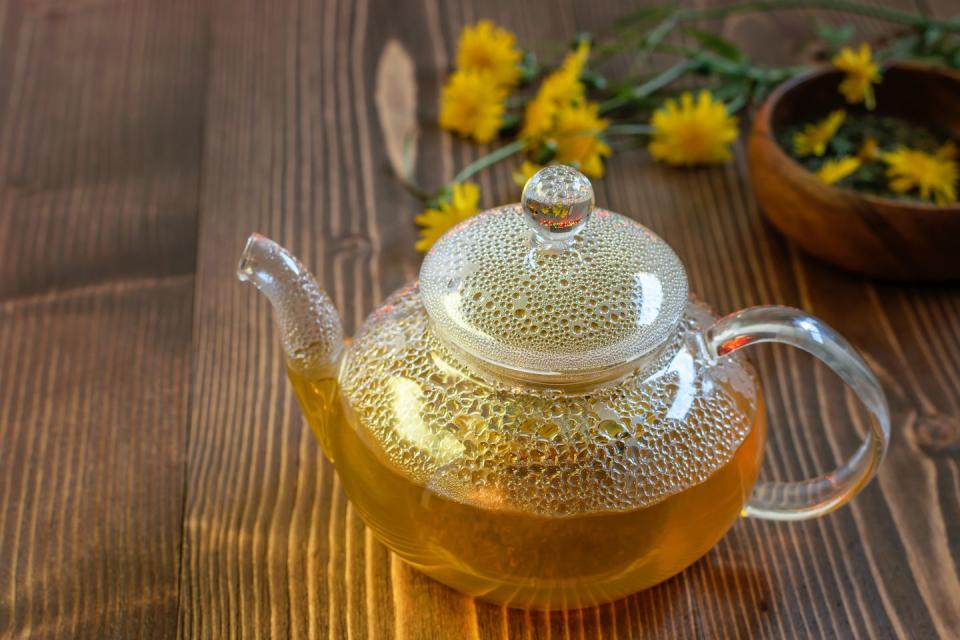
<point>649,292</point>
<point>408,407</point>
<point>682,365</point>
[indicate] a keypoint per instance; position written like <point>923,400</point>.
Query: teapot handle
<point>815,496</point>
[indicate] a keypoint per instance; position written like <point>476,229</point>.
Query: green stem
<point>655,83</point>
<point>629,129</point>
<point>653,39</point>
<point>736,103</point>
<point>493,157</point>
<point>724,67</point>
<point>843,6</point>
<point>413,188</point>
<point>896,16</point>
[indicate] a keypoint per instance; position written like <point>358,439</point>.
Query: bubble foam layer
<point>473,440</point>
<point>615,293</point>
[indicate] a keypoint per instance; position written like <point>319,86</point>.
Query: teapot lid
<point>553,291</point>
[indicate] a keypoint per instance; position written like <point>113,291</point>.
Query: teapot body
<point>537,497</point>
<point>546,419</point>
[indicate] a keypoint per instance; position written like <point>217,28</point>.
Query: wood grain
<point>156,477</point>
<point>101,112</point>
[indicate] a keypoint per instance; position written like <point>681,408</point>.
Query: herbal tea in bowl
<point>870,187</point>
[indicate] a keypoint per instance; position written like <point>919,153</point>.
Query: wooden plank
<point>100,115</point>
<point>271,546</point>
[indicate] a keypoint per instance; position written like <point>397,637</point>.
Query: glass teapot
<point>547,418</point>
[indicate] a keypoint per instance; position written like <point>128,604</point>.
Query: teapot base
<point>533,561</point>
<point>657,543</point>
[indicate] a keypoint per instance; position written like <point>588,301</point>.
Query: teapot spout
<point>310,327</point>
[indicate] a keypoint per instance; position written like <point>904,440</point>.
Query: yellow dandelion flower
<point>472,105</point>
<point>525,171</point>
<point>461,205</point>
<point>814,137</point>
<point>692,133</point>
<point>561,87</point>
<point>538,117</point>
<point>490,49</point>
<point>576,133</point>
<point>835,170</point>
<point>933,175</point>
<point>870,149</point>
<point>862,73</point>
<point>574,61</point>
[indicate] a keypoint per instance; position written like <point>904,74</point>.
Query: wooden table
<point>156,478</point>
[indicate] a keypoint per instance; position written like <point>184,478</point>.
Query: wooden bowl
<point>876,236</point>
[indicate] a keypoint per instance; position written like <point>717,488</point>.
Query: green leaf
<point>444,194</point>
<point>931,36</point>
<point>662,79</point>
<point>593,80</point>
<point>642,16</point>
<point>727,90</point>
<point>546,152</point>
<point>734,95</point>
<point>737,102</point>
<point>717,44</point>
<point>841,146</point>
<point>529,68</point>
<point>657,35</point>
<point>510,122</point>
<point>583,36</point>
<point>758,94</point>
<point>835,36</point>
<point>903,47</point>
<point>954,58</point>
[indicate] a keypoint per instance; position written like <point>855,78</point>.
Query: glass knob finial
<point>557,201</point>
